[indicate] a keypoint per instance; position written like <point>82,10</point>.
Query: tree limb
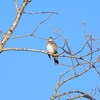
<point>15,23</point>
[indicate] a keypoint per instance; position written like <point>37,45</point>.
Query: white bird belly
<point>50,49</point>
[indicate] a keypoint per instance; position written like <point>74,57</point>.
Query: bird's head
<point>50,39</point>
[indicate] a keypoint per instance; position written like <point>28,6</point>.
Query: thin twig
<point>16,6</point>
<point>39,12</point>
<point>42,22</point>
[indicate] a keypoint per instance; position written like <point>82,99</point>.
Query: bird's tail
<point>56,60</point>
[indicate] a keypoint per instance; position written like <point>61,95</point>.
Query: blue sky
<point>30,75</point>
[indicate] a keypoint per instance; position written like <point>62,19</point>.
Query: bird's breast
<point>50,49</point>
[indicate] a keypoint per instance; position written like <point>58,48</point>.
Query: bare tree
<point>77,59</point>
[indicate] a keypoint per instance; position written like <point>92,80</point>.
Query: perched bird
<point>52,48</point>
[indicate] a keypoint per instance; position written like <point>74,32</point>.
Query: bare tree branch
<point>42,22</point>
<point>16,6</point>
<point>31,50</point>
<point>39,12</point>
<point>32,34</point>
<point>81,95</point>
<point>15,23</point>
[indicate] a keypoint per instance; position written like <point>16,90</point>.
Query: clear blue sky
<point>32,76</point>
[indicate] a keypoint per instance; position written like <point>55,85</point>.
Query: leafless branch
<point>16,6</point>
<point>13,26</point>
<point>40,13</point>
<point>82,48</point>
<point>81,95</point>
<point>42,22</point>
<point>32,34</point>
<point>30,50</point>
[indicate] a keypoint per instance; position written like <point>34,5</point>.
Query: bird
<point>52,48</point>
